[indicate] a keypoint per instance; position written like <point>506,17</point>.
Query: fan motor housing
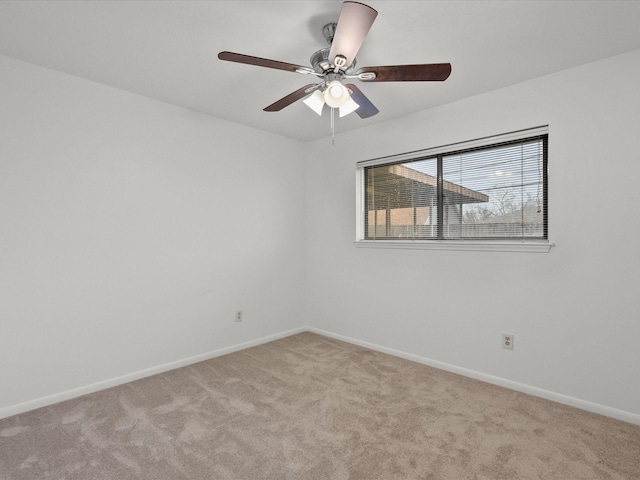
<point>321,64</point>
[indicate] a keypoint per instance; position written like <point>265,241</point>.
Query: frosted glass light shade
<point>315,102</point>
<point>336,94</point>
<point>348,107</point>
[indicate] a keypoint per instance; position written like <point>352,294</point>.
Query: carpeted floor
<point>309,407</point>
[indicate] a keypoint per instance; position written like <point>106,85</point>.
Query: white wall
<point>575,311</point>
<point>131,231</point>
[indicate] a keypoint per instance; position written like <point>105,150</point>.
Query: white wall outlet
<point>238,315</point>
<point>507,340</point>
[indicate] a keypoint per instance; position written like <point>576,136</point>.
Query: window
<point>489,190</point>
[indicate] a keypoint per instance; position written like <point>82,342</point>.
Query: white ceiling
<point>167,50</point>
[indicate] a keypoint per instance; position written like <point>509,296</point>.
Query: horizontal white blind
<point>484,191</point>
<point>507,185</point>
<point>466,145</point>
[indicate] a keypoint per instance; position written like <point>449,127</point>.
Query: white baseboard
<point>520,387</point>
<point>130,377</point>
<point>502,382</point>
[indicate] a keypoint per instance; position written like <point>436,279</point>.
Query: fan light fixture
<point>336,95</point>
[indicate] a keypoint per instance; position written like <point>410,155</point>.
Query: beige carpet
<point>309,407</point>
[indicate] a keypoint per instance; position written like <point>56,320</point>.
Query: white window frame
<point>516,245</point>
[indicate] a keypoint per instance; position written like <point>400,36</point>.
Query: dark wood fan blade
<point>260,62</point>
<point>426,72</point>
<point>366,108</point>
<point>292,97</point>
<point>353,25</point>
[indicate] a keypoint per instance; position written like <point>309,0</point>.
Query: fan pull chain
<point>333,127</point>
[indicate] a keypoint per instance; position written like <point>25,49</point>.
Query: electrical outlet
<point>507,340</point>
<point>238,315</point>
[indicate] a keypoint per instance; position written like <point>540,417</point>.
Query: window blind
<point>494,191</point>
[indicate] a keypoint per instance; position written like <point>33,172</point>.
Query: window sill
<point>528,246</point>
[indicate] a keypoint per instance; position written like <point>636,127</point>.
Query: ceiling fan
<point>337,63</point>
